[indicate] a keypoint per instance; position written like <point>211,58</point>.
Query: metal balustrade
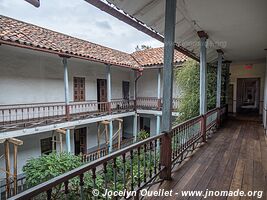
<point>132,168</point>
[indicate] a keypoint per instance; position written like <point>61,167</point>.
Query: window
<point>79,88</point>
<point>125,90</point>
<point>46,145</point>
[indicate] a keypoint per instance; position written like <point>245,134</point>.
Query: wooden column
<point>264,118</point>
<point>67,101</point>
<point>15,173</point>
<point>159,89</point>
<point>109,91</point>
<point>219,85</point>
<point>166,149</point>
<point>7,158</point>
<point>203,82</point>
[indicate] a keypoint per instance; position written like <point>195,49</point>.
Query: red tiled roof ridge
<point>64,34</point>
<point>27,35</point>
<point>155,56</point>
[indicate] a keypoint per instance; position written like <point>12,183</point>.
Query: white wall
<point>239,71</point>
<point>147,85</point>
<point>32,77</point>
<point>31,148</point>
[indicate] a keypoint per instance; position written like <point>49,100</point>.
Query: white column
<point>159,101</point>
<point>203,73</point>
<point>264,118</point>
<point>109,94</point>
<point>219,79</point>
<point>135,131</point>
<point>169,38</point>
<point>159,84</point>
<point>67,101</point>
<point>135,127</point>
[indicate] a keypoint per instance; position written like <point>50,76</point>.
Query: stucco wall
<point>239,71</point>
<point>32,77</point>
<point>148,83</point>
<point>31,147</point>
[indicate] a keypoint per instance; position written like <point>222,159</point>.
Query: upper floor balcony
<point>23,116</point>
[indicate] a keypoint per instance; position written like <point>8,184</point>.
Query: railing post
<point>218,117</point>
<point>67,112</point>
<point>203,127</point>
<point>165,156</point>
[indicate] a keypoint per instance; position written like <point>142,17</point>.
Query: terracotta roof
<point>154,56</point>
<point>22,33</point>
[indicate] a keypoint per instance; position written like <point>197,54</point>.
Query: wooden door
<point>80,141</point>
<point>125,90</point>
<point>79,88</point>
<point>102,93</point>
<point>230,98</point>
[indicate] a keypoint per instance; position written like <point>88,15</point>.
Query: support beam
<point>7,158</point>
<point>219,86</point>
<point>15,167</point>
<point>227,79</point>
<point>265,98</point>
<point>159,89</point>
<point>109,94</point>
<point>110,136</point>
<point>203,83</point>
<point>135,127</point>
<point>67,101</point>
<point>203,73</point>
<point>158,125</point>
<point>166,149</point>
<point>219,79</point>
<point>170,16</point>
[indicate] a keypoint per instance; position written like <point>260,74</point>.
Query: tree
<point>187,78</point>
<point>142,47</point>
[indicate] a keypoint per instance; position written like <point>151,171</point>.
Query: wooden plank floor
<point>235,158</point>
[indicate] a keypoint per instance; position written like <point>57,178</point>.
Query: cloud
<point>78,19</point>
<point>103,25</point>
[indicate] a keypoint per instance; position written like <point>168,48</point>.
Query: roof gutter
<point>128,19</point>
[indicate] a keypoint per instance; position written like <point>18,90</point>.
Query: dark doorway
<point>79,88</point>
<point>102,93</point>
<point>80,141</point>
<point>125,90</point>
<point>231,98</point>
<point>248,95</point>
<point>145,124</point>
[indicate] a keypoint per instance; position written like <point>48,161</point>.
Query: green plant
<point>142,135</point>
<point>45,167</point>
<point>38,170</point>
<point>187,79</point>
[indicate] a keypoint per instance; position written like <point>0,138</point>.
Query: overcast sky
<point>79,19</point>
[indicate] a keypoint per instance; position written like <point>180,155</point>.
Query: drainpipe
<point>138,74</point>
<point>67,101</point>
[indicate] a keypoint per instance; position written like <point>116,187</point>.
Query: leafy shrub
<point>45,167</point>
<point>188,81</point>
<point>142,135</point>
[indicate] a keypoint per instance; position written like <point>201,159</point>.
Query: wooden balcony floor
<point>235,158</point>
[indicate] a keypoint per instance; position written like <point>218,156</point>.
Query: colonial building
<point>52,82</point>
